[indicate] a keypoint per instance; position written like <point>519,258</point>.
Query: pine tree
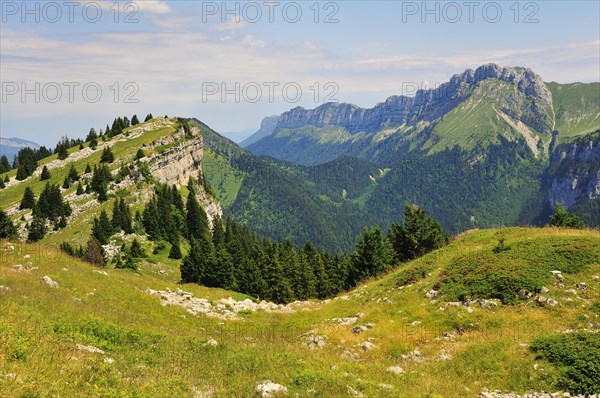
<point>279,287</point>
<point>418,235</point>
<point>92,135</point>
<point>126,220</point>
<point>66,183</point>
<point>139,154</point>
<point>79,189</point>
<point>130,263</point>
<point>107,156</point>
<point>62,152</point>
<point>107,132</point>
<point>88,169</point>
<point>316,282</point>
<point>135,120</point>
<point>148,117</point>
<point>102,228</point>
<point>136,250</point>
<point>37,227</point>
<point>2,184</point>
<point>249,278</point>
<point>4,164</point>
<point>218,233</point>
<point>175,252</point>
<point>197,222</point>
<point>190,266</point>
<point>151,220</point>
<point>7,228</point>
<point>45,174</point>
<point>21,173</point>
<point>100,179</point>
<point>73,175</point>
<point>563,219</point>
<point>373,255</point>
<point>6,179</point>
<point>28,200</point>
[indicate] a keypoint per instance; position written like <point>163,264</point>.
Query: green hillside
<point>577,108</point>
<point>412,345</point>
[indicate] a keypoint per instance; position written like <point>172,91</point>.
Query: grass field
<point>151,350</point>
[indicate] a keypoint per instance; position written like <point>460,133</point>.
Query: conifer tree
<point>175,252</point>
<point>73,175</point>
<point>4,164</point>
<point>562,218</point>
<point>102,228</point>
<point>37,227</point>
<point>136,249</point>
<point>79,189</point>
<point>107,156</point>
<point>62,151</point>
<point>45,174</point>
<point>66,183</point>
<point>148,117</point>
<point>7,228</point>
<point>418,235</point>
<point>197,221</point>
<point>139,154</point>
<point>135,120</point>
<point>190,267</point>
<point>249,279</point>
<point>373,255</point>
<point>88,169</point>
<point>28,200</point>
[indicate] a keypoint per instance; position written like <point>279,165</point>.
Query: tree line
<point>26,160</point>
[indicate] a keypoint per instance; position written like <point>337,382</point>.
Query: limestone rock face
<point>573,174</point>
<point>175,165</point>
<point>429,105</point>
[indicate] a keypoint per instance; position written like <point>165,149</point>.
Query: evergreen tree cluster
<point>7,228</point>
<point>100,180</point>
<point>563,219</point>
<point>164,215</point>
<point>26,161</point>
<point>50,206</point>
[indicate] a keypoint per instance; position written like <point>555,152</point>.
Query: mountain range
<point>11,146</point>
<point>491,147</point>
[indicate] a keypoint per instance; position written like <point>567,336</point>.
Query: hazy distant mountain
<point>11,146</point>
<point>476,108</point>
<point>267,127</point>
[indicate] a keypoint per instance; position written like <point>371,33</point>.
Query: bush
<point>502,272</point>
<point>577,358</point>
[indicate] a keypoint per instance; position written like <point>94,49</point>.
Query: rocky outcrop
<point>175,166</point>
<point>182,160</point>
<point>574,172</point>
<point>429,105</point>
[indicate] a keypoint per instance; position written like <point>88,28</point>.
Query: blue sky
<point>167,56</point>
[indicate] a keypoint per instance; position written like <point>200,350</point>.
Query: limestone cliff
<point>429,105</point>
<point>574,172</point>
<point>181,160</point>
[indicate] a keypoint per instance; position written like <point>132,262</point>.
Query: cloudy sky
<point>69,66</point>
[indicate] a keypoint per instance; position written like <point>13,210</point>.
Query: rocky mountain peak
<point>429,105</point>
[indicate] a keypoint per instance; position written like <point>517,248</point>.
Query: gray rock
<point>367,346</point>
<point>395,369</point>
<point>48,281</point>
<point>268,389</point>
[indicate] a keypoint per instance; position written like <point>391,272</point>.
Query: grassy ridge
<point>159,351</point>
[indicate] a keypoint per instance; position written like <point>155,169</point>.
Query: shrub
<point>577,358</point>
